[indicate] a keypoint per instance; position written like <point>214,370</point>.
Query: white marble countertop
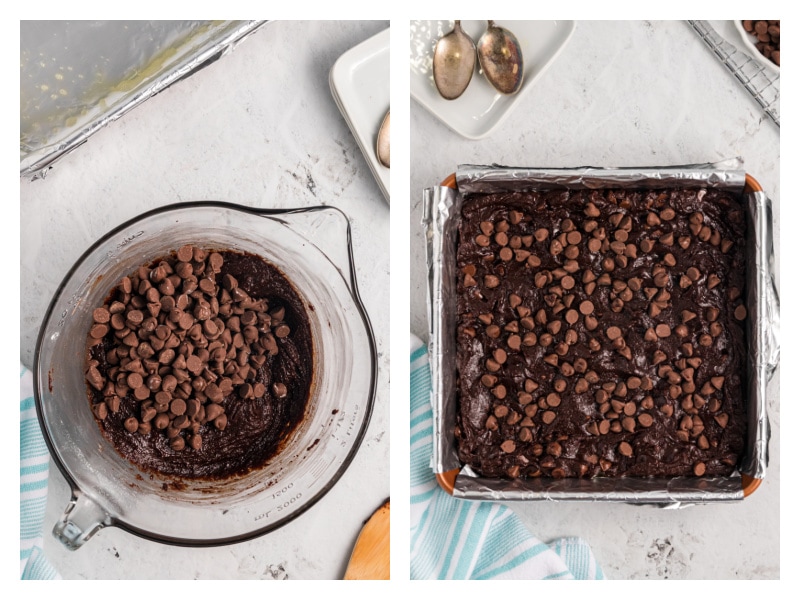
<point>260,128</point>
<point>628,93</point>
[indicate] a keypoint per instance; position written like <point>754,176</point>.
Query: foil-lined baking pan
<point>441,217</point>
<point>78,76</point>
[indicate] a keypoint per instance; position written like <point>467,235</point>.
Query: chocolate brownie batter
<point>600,333</point>
<point>237,405</point>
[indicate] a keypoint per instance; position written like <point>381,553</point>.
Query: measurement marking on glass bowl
<point>129,239</point>
<point>125,242</point>
<point>278,494</point>
<point>281,507</point>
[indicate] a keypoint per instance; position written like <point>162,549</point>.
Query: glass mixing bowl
<point>312,246</point>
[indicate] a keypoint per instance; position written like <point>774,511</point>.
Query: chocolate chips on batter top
<point>179,338</point>
<point>600,333</point>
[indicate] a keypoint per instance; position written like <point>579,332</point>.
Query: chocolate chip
<point>100,410</point>
<point>500,355</point>
<point>101,315</point>
<point>586,307</point>
<point>553,400</point>
<point>740,313</point>
<point>488,380</point>
<point>613,332</point>
<point>499,392</point>
<point>645,420</point>
<point>661,279</point>
<point>667,214</point>
<point>508,446</point>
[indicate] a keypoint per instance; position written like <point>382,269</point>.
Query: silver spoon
<point>453,63</point>
<point>382,146</point>
<point>500,57</point>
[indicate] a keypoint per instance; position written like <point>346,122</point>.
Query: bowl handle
<point>326,227</point>
<point>81,520</point>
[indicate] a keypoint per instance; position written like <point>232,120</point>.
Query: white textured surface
<point>259,128</point>
<point>630,94</point>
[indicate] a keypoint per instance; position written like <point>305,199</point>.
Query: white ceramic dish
<point>749,42</point>
<point>360,85</point>
<point>481,109</point>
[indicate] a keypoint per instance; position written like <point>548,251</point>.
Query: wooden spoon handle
<point>370,557</point>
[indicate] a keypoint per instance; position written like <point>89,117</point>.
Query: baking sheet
<point>442,209</point>
<point>78,76</point>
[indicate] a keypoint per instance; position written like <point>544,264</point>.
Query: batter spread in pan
<point>600,333</point>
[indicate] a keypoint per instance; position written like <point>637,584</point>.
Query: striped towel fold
<point>465,539</point>
<point>34,464</point>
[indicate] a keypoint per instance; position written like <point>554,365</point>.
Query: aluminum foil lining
<point>442,210</point>
<point>78,76</point>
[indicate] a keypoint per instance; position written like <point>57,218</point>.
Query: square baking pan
<point>442,212</point>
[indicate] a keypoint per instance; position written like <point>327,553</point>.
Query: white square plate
<point>480,109</point>
<point>360,85</point>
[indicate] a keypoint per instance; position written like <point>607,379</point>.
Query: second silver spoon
<point>500,58</point>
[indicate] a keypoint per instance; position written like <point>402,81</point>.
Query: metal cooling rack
<point>763,85</point>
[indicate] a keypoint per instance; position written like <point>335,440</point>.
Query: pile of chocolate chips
<point>768,34</point>
<point>180,343</point>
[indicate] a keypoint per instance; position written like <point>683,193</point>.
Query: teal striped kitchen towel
<point>34,464</point>
<point>466,539</point>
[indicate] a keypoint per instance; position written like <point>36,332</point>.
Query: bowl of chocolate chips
<point>205,363</point>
